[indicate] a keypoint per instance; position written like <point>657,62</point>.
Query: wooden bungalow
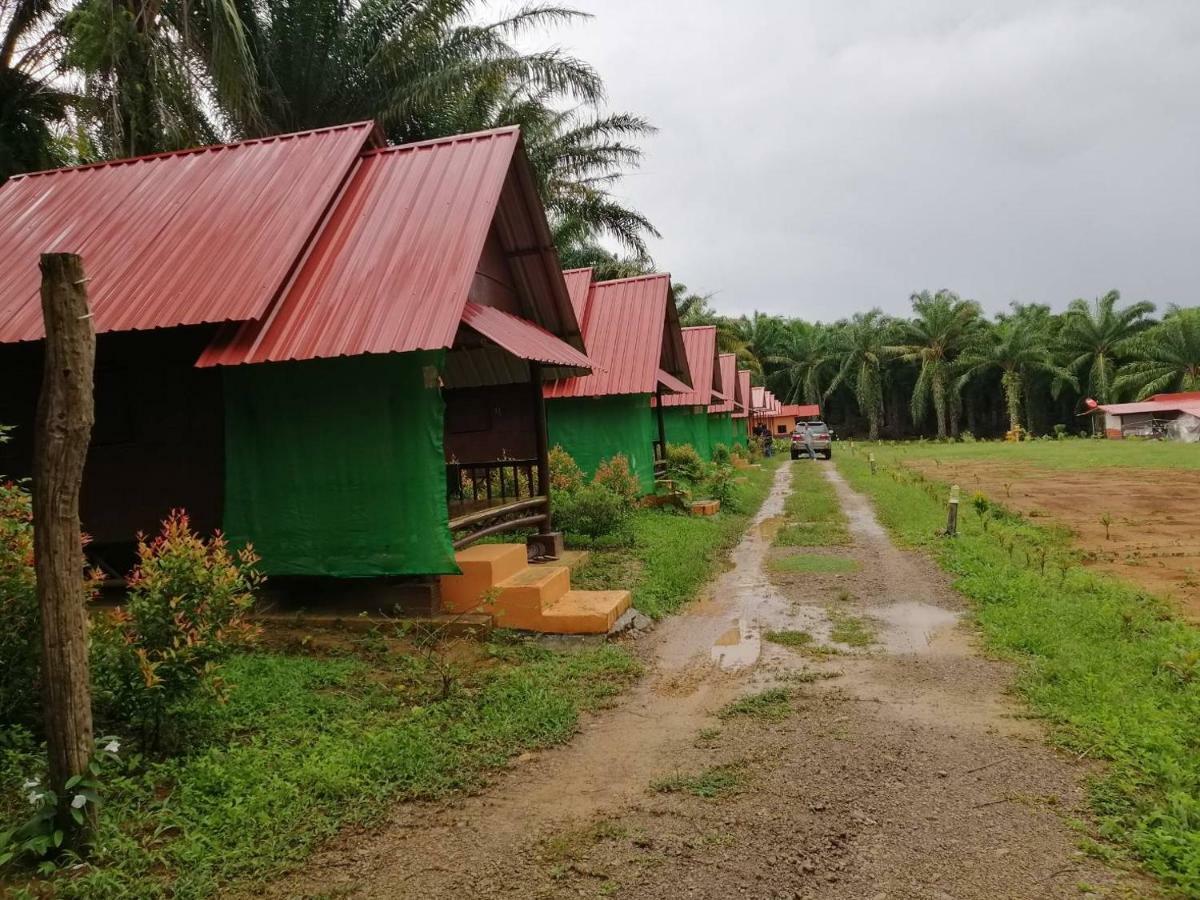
<point>327,347</point>
<point>685,414</point>
<point>631,331</point>
<point>722,428</point>
<point>741,413</point>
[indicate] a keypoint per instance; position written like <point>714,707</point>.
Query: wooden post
<point>952,512</point>
<point>662,425</point>
<point>542,438</point>
<point>871,460</point>
<point>61,434</point>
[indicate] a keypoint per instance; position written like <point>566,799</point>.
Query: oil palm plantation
<point>804,362</point>
<point>32,105</point>
<point>942,325</point>
<point>1168,356</point>
<point>1019,350</point>
<point>1097,337</point>
<point>863,347</point>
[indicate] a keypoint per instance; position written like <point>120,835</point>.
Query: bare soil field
<point>1152,537</point>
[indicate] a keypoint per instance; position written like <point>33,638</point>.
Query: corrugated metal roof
<point>579,286</point>
<point>204,235</point>
<point>728,370</point>
<point>672,384</point>
<point>392,267</point>
<point>700,343</point>
<point>742,394</point>
<point>522,339</point>
<point>800,410</point>
<point>627,331</point>
<point>1178,396</point>
<point>763,402</point>
<point>1152,406</point>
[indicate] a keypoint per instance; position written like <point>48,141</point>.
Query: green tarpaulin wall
<point>720,430</point>
<point>335,467</point>
<point>686,427</point>
<point>739,431</point>
<point>593,429</point>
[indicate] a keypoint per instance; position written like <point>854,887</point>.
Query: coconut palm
<point>1018,349</point>
<point>942,325</point>
<point>804,362</point>
<point>1096,337</point>
<point>1167,356</point>
<point>32,104</point>
<point>862,347</point>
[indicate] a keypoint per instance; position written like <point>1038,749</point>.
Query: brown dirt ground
<point>896,770</point>
<point>1154,533</point>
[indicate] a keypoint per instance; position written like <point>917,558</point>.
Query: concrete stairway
<point>497,580</point>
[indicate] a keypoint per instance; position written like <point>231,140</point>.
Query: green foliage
<point>720,484</point>
<point>1105,664</point>
<point>684,464</point>
<point>789,638</point>
<point>565,474</point>
<point>721,455</point>
<point>185,612</point>
<point>814,518</point>
<point>615,475</point>
<point>19,619</point>
<point>772,705</point>
<point>592,511</point>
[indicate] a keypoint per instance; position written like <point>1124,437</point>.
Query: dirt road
<point>893,769</point>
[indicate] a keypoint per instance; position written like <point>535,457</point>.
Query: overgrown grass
<point>789,638</point>
<point>711,784</point>
<point>814,563</point>
<point>772,705</point>
<point>306,745</point>
<point>1110,668</point>
<point>674,554</point>
<point>814,518</point>
<point>1070,454</point>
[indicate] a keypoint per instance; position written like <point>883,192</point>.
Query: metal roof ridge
<point>194,151</point>
<point>448,139</point>
<point>648,277</point>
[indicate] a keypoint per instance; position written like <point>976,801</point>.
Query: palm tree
<point>942,325</point>
<point>862,346</point>
<point>32,104</point>
<point>1167,356</point>
<point>1097,337</point>
<point>804,362</point>
<point>1018,349</point>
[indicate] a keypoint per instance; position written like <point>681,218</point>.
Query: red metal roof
<point>742,394</point>
<point>624,330</point>
<point>800,410</point>
<point>728,371</point>
<point>1181,396</point>
<point>672,384</point>
<point>763,402</point>
<point>1153,406</point>
<point>521,338</point>
<point>579,286</point>
<point>204,235</point>
<point>392,267</point>
<point>700,342</point>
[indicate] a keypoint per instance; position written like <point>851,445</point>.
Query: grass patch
<point>1110,667</point>
<point>814,563</point>
<point>711,784</point>
<point>772,705</point>
<point>851,631</point>
<point>673,555</point>
<point>814,516</point>
<point>1072,454</point>
<point>789,638</point>
<point>308,744</point>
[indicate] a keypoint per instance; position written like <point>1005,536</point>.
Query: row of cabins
<point>355,357</point>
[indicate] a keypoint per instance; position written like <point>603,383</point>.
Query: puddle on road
<point>911,626</point>
<point>738,647</point>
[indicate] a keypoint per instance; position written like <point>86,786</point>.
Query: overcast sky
<point>817,158</point>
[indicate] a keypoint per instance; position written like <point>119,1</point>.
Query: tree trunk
<point>62,431</point>
<point>1012,398</point>
<point>939,404</point>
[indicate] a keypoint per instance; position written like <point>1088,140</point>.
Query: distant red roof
<point>800,410</point>
<point>700,341</point>
<point>763,402</point>
<point>728,370</point>
<point>1180,397</point>
<point>742,394</point>
<point>204,235</point>
<point>392,268</point>
<point>1152,406</point>
<point>630,329</point>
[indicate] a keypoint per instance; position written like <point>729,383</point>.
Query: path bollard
<point>871,460</point>
<point>952,512</point>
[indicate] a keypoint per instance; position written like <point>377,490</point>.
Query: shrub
<point>684,464</point>
<point>1060,432</point>
<point>565,474</point>
<point>186,612</point>
<point>720,454</point>
<point>615,475</point>
<point>739,452</point>
<point>754,451</point>
<point>720,485</point>
<point>966,437</point>
<point>592,511</point>
<point>19,620</point>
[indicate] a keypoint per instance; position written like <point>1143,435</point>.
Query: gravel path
<point>899,769</point>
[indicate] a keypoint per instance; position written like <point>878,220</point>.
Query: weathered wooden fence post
<point>871,460</point>
<point>61,434</point>
<point>952,512</point>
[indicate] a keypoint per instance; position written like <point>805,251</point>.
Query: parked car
<point>812,439</point>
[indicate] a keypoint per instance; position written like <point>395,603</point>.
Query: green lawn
<point>1111,670</point>
<point>673,554</point>
<point>1072,453</point>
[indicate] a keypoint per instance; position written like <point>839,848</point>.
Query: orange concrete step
<point>483,566</point>
<point>521,599</point>
<point>584,612</point>
<point>706,507</point>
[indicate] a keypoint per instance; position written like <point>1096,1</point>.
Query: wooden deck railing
<point>494,497</point>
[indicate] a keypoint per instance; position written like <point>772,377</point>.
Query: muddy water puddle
<point>913,627</point>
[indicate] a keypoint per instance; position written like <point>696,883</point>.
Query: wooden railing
<point>494,497</point>
<point>660,460</point>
